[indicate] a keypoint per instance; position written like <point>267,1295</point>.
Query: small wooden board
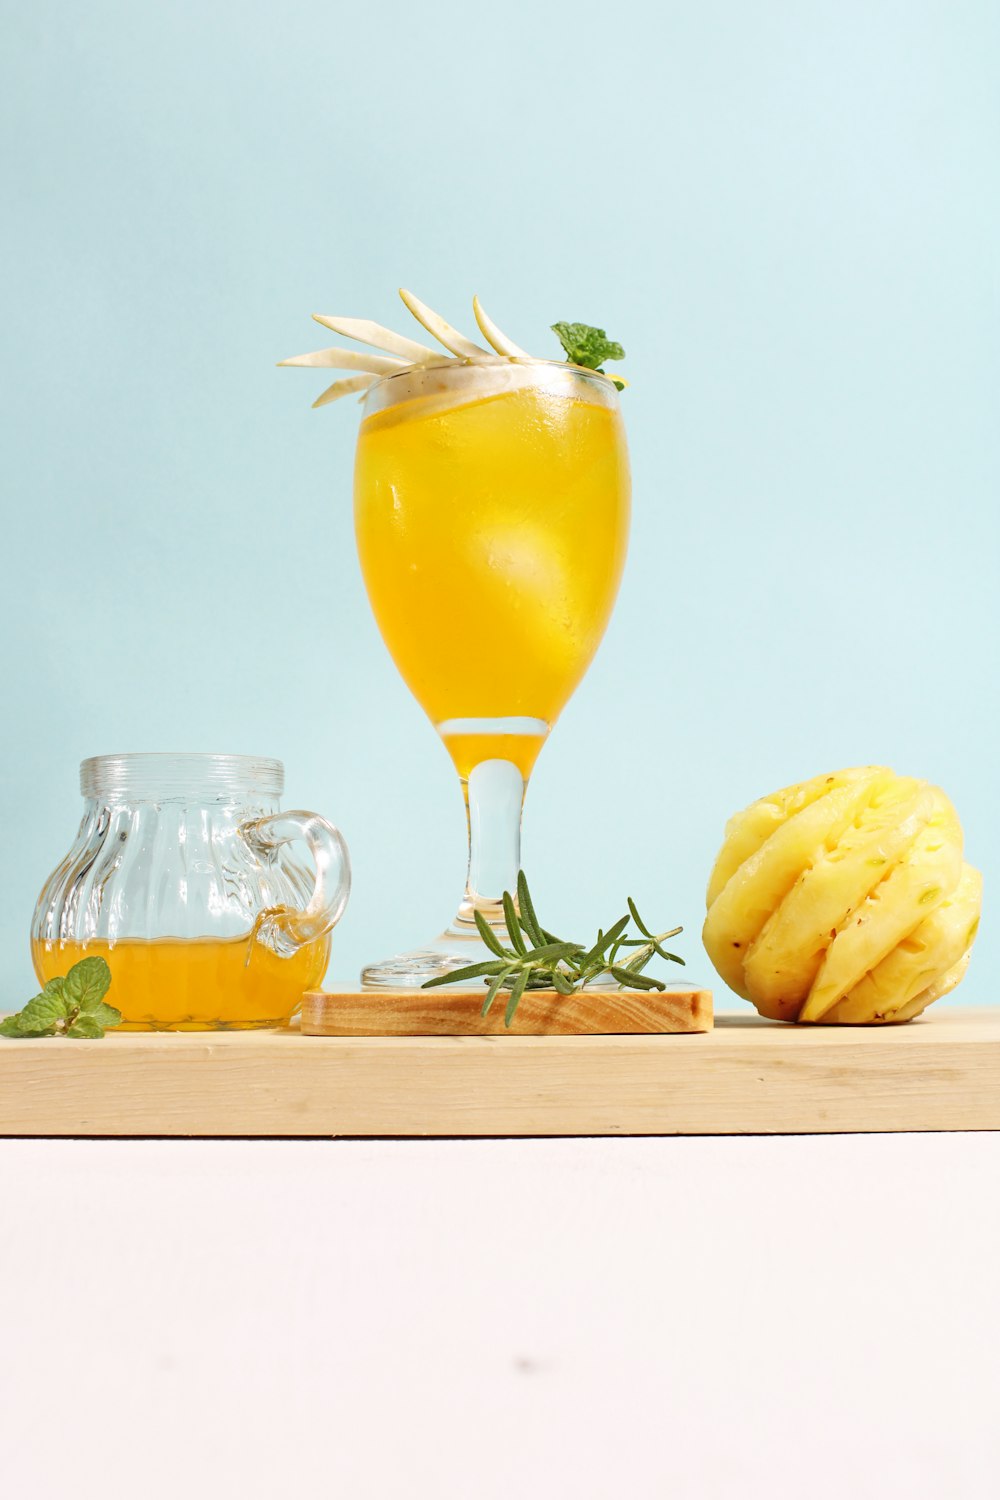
<point>453,1011</point>
<point>748,1076</point>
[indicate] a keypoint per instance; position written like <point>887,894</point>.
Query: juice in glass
<point>492,523</point>
<point>189,984</point>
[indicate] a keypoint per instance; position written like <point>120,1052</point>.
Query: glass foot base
<point>410,970</point>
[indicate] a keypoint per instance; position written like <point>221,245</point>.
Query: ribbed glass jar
<point>183,877</point>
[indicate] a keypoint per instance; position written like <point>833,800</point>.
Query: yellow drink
<point>181,984</point>
<point>492,525</point>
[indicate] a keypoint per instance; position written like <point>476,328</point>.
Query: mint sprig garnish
<point>69,1005</point>
<point>588,347</point>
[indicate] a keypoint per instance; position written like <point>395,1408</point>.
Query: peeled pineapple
<point>844,898</point>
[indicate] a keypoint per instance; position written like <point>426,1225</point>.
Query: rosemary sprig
<point>538,960</point>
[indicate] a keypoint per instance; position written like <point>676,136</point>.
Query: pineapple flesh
<point>844,899</point>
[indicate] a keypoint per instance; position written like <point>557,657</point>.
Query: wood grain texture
<point>452,1011</point>
<point>747,1076</point>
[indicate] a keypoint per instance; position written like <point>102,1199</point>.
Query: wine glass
<point>491,504</point>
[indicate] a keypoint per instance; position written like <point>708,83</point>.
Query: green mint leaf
<point>87,1026</point>
<point>105,1015</point>
<point>87,983</point>
<point>72,1005</point>
<point>587,346</point>
<point>40,1017</point>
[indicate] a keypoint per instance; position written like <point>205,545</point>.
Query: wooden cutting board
<point>348,1010</point>
<point>941,1072</point>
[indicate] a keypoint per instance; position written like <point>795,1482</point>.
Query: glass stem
<point>494,797</point>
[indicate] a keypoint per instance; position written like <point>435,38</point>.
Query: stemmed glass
<point>491,512</point>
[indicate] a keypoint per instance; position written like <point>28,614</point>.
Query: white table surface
<point>590,1319</point>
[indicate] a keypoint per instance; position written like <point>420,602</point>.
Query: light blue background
<point>787,212</point>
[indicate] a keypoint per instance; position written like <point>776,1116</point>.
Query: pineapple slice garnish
<point>456,343</point>
<point>347,359</point>
<point>495,336</point>
<point>367,332</point>
<point>399,352</point>
<point>344,388</point>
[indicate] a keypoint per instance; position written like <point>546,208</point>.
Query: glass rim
<point>490,361</point>
<point>151,774</point>
<point>388,389</point>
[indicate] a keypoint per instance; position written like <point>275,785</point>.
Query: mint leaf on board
<point>105,1015</point>
<point>40,1017</point>
<point>87,982</point>
<point>68,1006</point>
<point>587,346</point>
<point>85,1026</point>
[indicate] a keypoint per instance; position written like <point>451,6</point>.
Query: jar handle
<point>333,873</point>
